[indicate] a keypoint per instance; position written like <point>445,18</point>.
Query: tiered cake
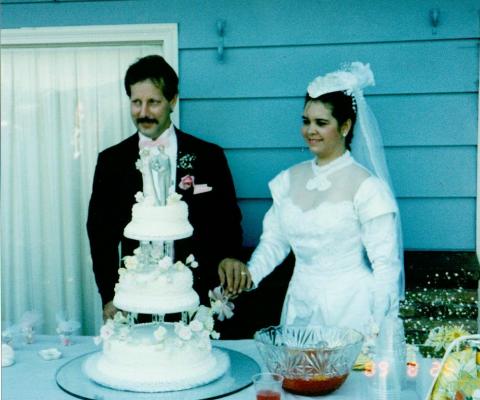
<point>157,356</point>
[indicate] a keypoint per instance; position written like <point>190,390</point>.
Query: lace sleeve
<point>273,246</point>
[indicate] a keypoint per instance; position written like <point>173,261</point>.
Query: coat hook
<point>434,19</point>
<point>221,33</point>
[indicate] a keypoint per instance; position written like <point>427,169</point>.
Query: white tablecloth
<point>32,378</point>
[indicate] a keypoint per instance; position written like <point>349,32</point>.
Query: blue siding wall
<point>425,99</point>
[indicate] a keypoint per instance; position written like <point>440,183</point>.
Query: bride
<point>336,212</point>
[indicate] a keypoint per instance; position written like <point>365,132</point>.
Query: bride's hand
<point>234,276</point>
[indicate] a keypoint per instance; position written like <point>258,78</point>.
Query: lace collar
<point>321,173</point>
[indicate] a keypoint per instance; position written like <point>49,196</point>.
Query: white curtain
<point>60,106</point>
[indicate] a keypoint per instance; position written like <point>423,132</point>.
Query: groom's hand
<point>109,311</point>
<point>234,276</point>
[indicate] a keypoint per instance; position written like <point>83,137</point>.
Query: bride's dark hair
<point>343,108</point>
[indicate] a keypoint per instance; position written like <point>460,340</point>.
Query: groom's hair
<point>156,69</point>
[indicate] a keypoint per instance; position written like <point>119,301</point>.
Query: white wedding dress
<point>340,223</point>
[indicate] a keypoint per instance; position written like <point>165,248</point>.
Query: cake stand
<point>72,380</point>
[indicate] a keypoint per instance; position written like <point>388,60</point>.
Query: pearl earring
<point>344,134</point>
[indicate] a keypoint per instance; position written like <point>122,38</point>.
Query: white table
<point>32,378</point>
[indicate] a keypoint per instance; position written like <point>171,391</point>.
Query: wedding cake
<point>157,356</point>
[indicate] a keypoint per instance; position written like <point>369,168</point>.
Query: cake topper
<point>154,165</point>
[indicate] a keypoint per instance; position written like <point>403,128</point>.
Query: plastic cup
<point>268,386</point>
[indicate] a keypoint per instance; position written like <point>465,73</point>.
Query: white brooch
<point>319,183</point>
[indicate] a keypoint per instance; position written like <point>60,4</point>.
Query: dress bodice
<point>325,239</point>
<point>323,214</point>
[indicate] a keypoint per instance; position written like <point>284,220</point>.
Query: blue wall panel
<point>405,120</point>
<point>262,22</point>
<point>415,171</point>
<point>413,67</point>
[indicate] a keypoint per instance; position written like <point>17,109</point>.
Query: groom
<point>201,176</point>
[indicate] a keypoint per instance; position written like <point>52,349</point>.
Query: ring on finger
<point>243,273</point>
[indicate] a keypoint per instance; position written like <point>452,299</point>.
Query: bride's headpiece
<point>351,80</point>
<point>367,144</point>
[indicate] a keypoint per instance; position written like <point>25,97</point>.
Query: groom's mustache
<point>147,120</point>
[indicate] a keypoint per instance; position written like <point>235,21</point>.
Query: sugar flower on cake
<point>196,325</point>
<point>118,327</point>
<point>204,315</point>
<point>107,330</point>
<point>131,262</point>
<point>120,318</point>
<point>139,197</point>
<point>179,266</point>
<point>174,198</point>
<point>160,334</point>
<point>190,261</point>
<point>183,331</point>
<point>220,303</point>
<point>164,264</point>
<point>124,333</point>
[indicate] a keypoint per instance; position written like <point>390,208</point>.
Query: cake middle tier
<point>152,292</point>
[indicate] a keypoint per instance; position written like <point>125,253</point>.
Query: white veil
<point>367,145</point>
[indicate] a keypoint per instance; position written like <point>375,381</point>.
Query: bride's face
<point>321,132</point>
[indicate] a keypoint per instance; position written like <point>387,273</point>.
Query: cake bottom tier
<point>157,379</point>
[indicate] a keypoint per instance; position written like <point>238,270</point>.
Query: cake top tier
<point>159,213</point>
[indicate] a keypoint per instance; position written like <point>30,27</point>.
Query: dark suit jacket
<point>214,215</point>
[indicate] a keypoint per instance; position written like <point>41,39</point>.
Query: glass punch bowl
<point>313,360</point>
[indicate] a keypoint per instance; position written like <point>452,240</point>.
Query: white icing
<point>142,359</point>
<point>151,222</point>
<point>158,383</point>
<point>153,292</point>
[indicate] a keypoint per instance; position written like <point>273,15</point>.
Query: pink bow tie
<point>161,141</point>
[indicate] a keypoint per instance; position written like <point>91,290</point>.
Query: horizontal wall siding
<point>415,171</point>
<point>262,22</point>
<point>250,103</point>
<point>414,67</point>
<point>406,120</point>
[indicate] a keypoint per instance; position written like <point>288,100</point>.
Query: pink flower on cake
<point>186,182</point>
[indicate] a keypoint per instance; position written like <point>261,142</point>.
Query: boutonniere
<point>188,181</point>
<point>186,161</point>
